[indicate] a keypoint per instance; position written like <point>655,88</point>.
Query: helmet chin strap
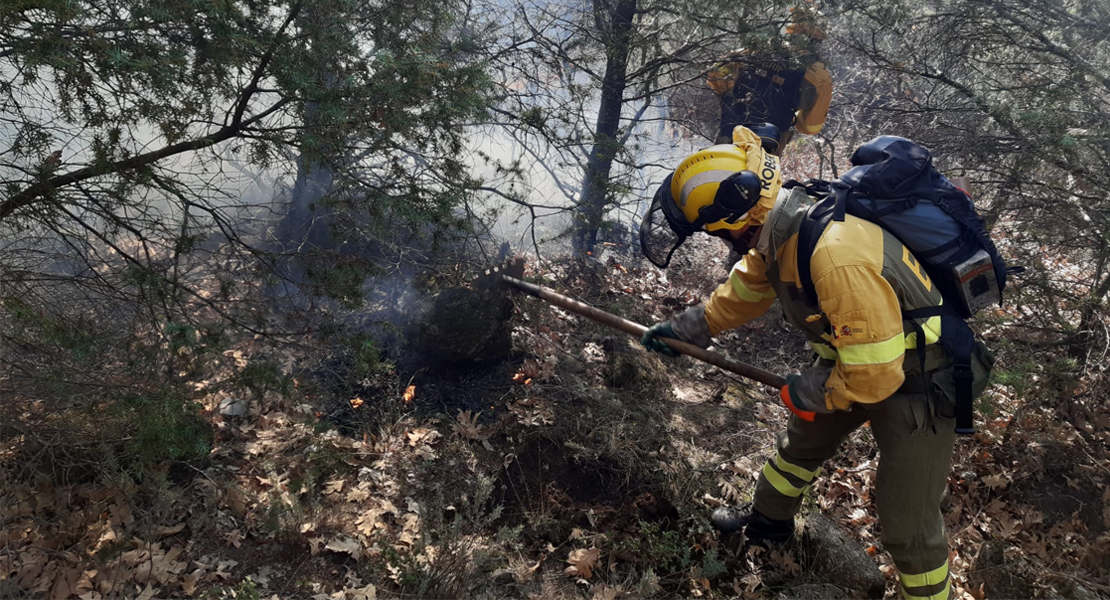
<point>747,240</point>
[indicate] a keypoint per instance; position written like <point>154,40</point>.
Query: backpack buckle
<point>962,373</point>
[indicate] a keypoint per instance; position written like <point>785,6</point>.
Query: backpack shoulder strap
<point>815,188</point>
<point>817,218</point>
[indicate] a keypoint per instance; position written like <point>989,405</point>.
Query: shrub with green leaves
<point>162,426</point>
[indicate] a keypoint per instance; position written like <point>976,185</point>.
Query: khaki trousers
<point>915,457</point>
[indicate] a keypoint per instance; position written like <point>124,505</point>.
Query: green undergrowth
<point>164,425</point>
<point>102,401</point>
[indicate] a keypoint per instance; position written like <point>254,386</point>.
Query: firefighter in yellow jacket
<point>868,367</point>
<point>784,86</point>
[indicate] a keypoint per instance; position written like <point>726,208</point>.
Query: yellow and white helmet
<point>696,186</point>
<point>721,188</point>
<point>697,181</point>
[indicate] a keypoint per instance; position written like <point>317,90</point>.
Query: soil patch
<point>550,491</point>
<point>1058,500</point>
<point>1060,489</point>
<point>436,390</point>
<point>543,469</point>
<point>476,388</point>
<point>459,326</point>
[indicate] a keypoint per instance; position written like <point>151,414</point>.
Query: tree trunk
<point>304,231</point>
<point>614,20</point>
<point>305,226</point>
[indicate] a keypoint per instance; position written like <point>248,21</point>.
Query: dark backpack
<point>894,185</point>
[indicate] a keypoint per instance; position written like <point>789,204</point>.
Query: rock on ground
<point>503,576</point>
<point>232,407</point>
<point>459,326</point>
<point>835,557</point>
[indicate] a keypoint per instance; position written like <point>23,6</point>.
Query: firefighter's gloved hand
<point>688,326</point>
<point>651,340</point>
<point>691,327</point>
<point>804,393</point>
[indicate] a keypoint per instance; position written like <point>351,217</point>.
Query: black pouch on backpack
<point>943,382</point>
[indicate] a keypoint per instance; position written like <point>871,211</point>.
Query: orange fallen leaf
<point>787,561</point>
<point>189,582</point>
<point>410,393</point>
<point>582,562</point>
<point>234,538</point>
<point>467,426</point>
<point>355,402</point>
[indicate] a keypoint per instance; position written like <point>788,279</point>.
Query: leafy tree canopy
<point>118,114</point>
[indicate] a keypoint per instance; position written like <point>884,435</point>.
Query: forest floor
<point>582,467</point>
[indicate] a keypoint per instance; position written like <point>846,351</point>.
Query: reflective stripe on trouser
<point>802,449</point>
<point>788,478</point>
<point>915,457</point>
<point>930,585</point>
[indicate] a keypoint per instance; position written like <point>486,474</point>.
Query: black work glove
<point>651,340</point>
<point>688,326</point>
<point>804,393</point>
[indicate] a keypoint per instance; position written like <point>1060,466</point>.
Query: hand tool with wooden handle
<point>510,275</point>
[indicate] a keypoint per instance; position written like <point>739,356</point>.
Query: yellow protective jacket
<point>864,277</point>
<point>813,100</point>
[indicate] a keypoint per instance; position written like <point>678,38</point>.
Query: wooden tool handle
<point>635,329</point>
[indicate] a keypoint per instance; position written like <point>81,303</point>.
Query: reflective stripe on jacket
<point>864,278</point>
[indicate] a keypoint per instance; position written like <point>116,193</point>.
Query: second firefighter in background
<point>786,85</point>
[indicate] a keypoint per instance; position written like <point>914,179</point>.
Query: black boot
<point>758,529</point>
